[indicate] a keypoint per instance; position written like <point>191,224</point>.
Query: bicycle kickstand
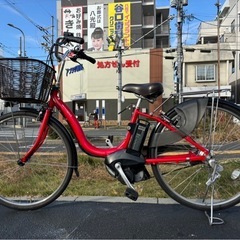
<point>210,183</point>
<point>213,220</point>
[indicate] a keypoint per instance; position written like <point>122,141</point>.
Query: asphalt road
<point>116,220</point>
<point>113,218</point>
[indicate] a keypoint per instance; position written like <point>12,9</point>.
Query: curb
<point>117,199</point>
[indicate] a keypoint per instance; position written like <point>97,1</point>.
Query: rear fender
<point>189,114</point>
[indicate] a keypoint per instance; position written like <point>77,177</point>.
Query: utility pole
<point>117,44</point>
<point>48,37</point>
<point>120,50</point>
<point>218,45</point>
<point>178,4</point>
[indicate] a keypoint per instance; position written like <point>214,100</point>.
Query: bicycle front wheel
<point>215,182</point>
<point>44,177</point>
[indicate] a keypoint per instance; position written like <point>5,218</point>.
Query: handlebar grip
<point>80,54</point>
<point>69,37</point>
<point>90,59</point>
<point>75,39</point>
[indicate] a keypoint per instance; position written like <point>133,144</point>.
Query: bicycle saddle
<point>147,90</point>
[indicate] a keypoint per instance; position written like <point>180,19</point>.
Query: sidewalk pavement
<point>117,199</point>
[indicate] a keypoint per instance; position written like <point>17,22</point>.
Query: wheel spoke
<point>189,185</point>
<point>45,175</point>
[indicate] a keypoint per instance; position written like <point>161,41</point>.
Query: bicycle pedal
<point>109,143</point>
<point>131,194</point>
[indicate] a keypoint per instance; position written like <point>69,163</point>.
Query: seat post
<point>138,102</point>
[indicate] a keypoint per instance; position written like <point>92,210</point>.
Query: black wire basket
<point>25,80</point>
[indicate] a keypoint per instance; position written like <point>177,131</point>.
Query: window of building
<point>238,60</point>
<point>239,22</point>
<point>233,62</point>
<point>205,73</point>
<point>233,26</point>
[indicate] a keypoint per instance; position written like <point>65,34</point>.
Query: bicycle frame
<point>87,147</point>
<point>192,149</point>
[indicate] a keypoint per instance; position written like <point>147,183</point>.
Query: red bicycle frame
<point>56,101</point>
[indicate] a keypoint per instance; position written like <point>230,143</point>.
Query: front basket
<point>25,80</point>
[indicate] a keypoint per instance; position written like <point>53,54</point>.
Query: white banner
<point>95,28</point>
<point>72,20</point>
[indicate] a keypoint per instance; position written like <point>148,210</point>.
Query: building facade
<point>227,25</point>
<point>140,20</point>
<point>138,24</point>
<point>200,70</point>
<point>92,87</point>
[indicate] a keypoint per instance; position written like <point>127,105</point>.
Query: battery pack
<point>139,135</point>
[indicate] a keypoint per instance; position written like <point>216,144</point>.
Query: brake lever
<point>73,57</point>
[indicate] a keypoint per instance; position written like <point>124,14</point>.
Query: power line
<point>48,37</point>
<point>7,49</point>
<point>12,5</point>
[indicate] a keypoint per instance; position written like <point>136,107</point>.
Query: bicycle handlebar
<point>78,52</point>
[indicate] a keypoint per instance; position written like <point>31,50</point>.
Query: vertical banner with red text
<point>119,21</point>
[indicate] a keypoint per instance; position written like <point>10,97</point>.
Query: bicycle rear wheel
<point>194,185</point>
<point>46,175</point>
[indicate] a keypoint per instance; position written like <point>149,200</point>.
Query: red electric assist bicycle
<point>193,149</point>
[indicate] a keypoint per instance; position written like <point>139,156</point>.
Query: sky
<point>32,15</point>
<point>29,16</point>
<point>201,10</point>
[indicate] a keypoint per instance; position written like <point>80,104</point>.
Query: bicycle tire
<point>46,175</point>
<point>186,182</point>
